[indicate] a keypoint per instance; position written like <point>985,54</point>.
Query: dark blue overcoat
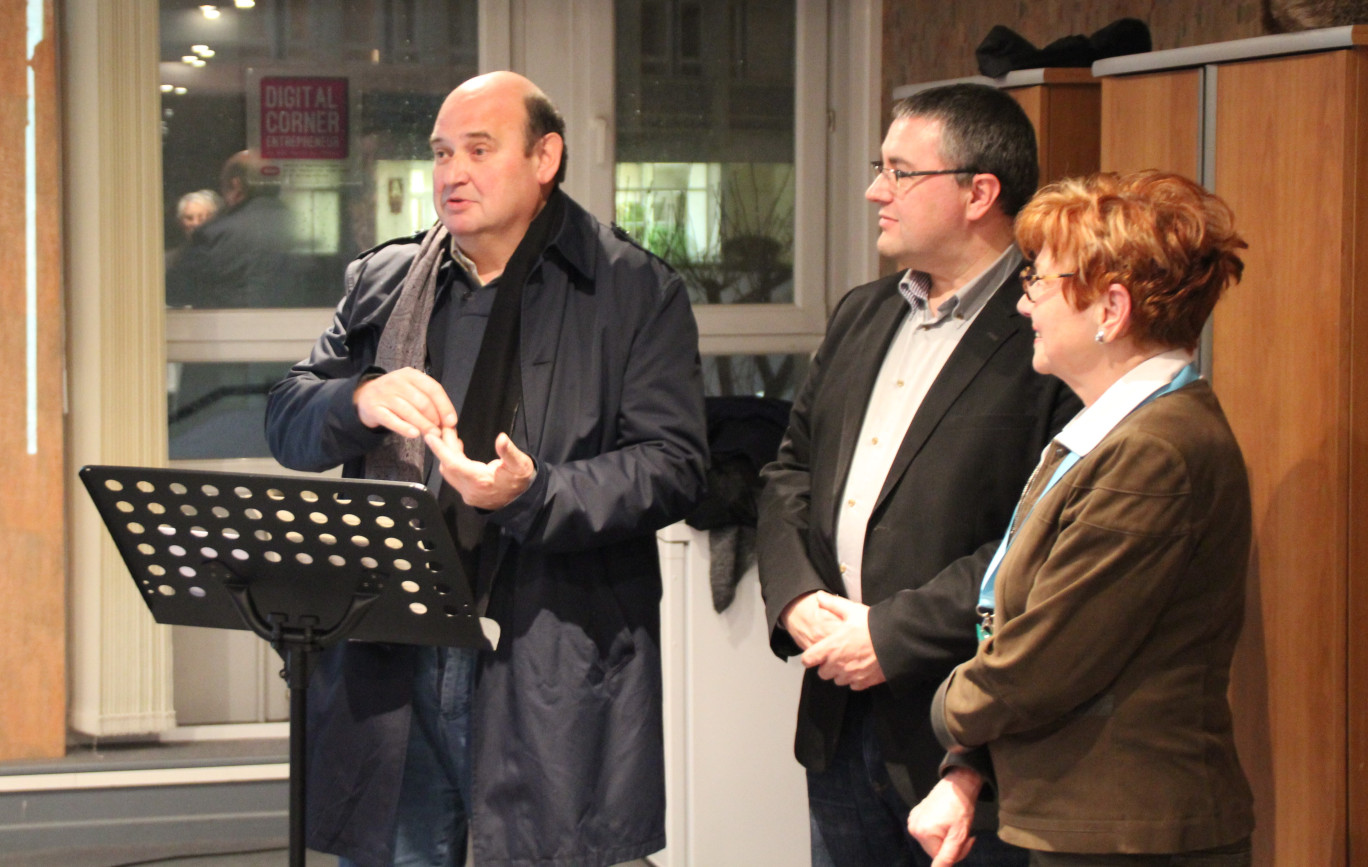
<point>567,745</point>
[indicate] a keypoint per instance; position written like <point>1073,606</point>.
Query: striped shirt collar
<point>915,288</point>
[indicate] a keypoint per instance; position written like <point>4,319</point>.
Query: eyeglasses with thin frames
<point>896,177</point>
<point>1029,280</point>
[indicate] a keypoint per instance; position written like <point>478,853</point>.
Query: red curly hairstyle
<point>1171,243</point>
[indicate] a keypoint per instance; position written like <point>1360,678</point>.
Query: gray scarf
<point>403,343</point>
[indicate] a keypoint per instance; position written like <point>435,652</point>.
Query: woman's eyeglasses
<point>1029,280</point>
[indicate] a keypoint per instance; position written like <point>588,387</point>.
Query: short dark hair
<point>984,129</point>
<point>544,118</point>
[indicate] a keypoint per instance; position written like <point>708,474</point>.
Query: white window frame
<point>122,336</point>
<point>567,47</point>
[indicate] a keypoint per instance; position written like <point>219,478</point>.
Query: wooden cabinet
<point>1275,126</point>
<point>1062,105</point>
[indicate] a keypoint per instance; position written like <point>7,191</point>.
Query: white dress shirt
<point>924,341</point>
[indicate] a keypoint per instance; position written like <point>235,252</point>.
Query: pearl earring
<point>1100,336</point>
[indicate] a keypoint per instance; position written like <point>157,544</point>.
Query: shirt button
<point>900,383</point>
<point>850,503</point>
<point>843,568</point>
<point>874,441</point>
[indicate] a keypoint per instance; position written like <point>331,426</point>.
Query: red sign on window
<point>304,118</point>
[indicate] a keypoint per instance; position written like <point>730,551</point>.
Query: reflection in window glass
<point>219,410</point>
<point>666,206</point>
<point>705,142</point>
<point>292,113</point>
<point>777,376</point>
<point>727,228</point>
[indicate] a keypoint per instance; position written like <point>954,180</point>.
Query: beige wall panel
<point>1281,367</point>
<point>32,583</point>
<point>1152,122</point>
<point>120,673</point>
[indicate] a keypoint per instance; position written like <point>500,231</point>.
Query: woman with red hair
<point>1095,709</point>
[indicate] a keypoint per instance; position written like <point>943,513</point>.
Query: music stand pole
<point>298,677</point>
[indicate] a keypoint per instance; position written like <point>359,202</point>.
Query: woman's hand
<point>940,823</point>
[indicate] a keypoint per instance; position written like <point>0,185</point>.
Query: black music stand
<point>304,562</point>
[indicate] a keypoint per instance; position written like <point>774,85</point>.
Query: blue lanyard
<point>986,600</point>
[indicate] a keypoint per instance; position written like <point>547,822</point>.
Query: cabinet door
<point>1283,365</point>
<point>1152,121</point>
<point>1066,120</point>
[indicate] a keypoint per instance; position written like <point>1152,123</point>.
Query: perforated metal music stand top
<point>304,547</point>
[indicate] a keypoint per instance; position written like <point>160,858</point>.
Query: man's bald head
<point>543,117</point>
<point>492,167</point>
<point>240,177</point>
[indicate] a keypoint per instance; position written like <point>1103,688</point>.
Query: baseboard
<point>181,819</point>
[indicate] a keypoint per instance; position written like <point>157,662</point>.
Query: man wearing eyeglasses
<point>906,451</point>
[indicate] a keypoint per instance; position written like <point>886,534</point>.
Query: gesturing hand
<point>485,486</point>
<point>406,401</point>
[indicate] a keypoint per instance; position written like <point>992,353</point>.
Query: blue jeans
<point>858,818</point>
<point>431,821</point>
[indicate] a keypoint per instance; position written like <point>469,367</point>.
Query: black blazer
<point>947,500</point>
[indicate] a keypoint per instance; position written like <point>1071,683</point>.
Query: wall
<point>930,40</point>
<point>33,650</point>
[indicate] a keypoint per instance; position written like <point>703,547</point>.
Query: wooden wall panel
<point>1032,101</point>
<point>1075,131</point>
<point>32,576</point>
<point>1152,122</point>
<point>1066,121</point>
<point>931,40</point>
<point>1281,368</point>
<point>1356,255</point>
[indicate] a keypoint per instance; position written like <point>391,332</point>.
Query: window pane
<point>219,410</point>
<point>778,376</point>
<point>333,103</point>
<point>705,142</point>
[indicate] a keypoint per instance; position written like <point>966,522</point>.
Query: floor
<point>265,857</point>
<point>212,853</point>
<point>134,755</point>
